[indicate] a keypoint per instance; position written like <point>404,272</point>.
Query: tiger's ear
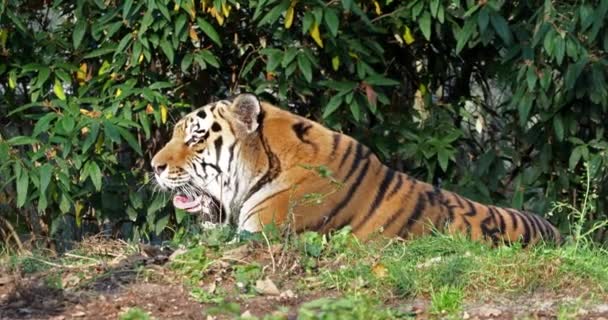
<point>246,108</point>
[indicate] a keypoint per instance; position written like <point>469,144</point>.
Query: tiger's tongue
<point>183,202</point>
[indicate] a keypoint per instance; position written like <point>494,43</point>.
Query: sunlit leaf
<point>315,34</point>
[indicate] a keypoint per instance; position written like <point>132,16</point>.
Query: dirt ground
<point>144,281</point>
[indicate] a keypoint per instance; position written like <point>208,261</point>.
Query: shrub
<point>505,99</point>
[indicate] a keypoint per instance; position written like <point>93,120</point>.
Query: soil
<point>106,291</point>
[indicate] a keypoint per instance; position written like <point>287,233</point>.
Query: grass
<point>340,277</point>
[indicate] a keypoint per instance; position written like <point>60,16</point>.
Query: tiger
<point>260,165</point>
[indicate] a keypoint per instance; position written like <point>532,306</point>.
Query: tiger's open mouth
<point>188,203</point>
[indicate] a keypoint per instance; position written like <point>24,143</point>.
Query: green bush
<point>502,101</point>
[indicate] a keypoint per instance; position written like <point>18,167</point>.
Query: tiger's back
<point>276,181</point>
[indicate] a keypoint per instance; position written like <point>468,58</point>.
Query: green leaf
<point>425,25</point>
<point>111,131</point>
<point>64,204</point>
<point>167,48</point>
<point>307,22</point>
<point>122,45</point>
<point>180,215</point>
<point>164,11</point>
<point>130,140</point>
<point>549,41</point>
<point>465,34</point>
<point>126,7</point>
<point>100,52</point>
<point>347,4</point>
<point>483,19</point>
<point>332,21</point>
<point>274,59</point>
<point>43,75</point>
<point>91,137</point>
<point>558,127</point>
<point>574,71</point>
<point>518,198</point>
<point>58,90</point>
<point>355,110</point>
<point>289,56</point>
<point>443,156</point>
<point>209,30</point>
<point>305,67</point>
<point>531,78</point>
<point>180,22</point>
<point>560,49</point>
<point>43,123</point>
<point>95,175</point>
<point>22,186</point>
<point>502,28</point>
<point>434,7</point>
<point>161,224</point>
<point>575,156</point>
<point>380,80</point>
<point>332,105</point>
<point>210,58</point>
<point>45,176</point>
<point>21,140</point>
<point>524,107</point>
<point>273,15</point>
<point>186,62</point>
<point>79,29</point>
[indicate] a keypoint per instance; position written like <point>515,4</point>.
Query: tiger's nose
<point>159,168</point>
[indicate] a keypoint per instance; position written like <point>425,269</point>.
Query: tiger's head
<point>201,157</point>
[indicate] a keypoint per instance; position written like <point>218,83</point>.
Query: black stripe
<point>301,130</point>
<point>347,198</point>
<point>526,235</point>
<point>337,137</point>
<point>540,224</point>
<point>501,221</point>
<point>472,211</point>
<point>231,153</point>
<point>535,230</point>
<point>513,219</point>
<point>433,194</point>
<point>388,178</point>
<point>356,162</point>
<point>400,211</point>
<point>253,210</point>
<point>218,148</point>
<point>396,186</point>
<point>392,217</point>
<point>489,226</point>
<point>346,154</point>
<point>415,215</point>
<point>458,201</point>
<point>274,165</point>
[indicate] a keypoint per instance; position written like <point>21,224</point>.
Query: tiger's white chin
<point>188,203</point>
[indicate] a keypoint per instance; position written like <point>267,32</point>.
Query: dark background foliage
<point>502,101</point>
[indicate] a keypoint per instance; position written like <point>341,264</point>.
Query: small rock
<point>176,253</point>
<point>602,308</point>
<point>246,314</point>
<point>79,314</point>
<point>267,287</point>
<point>6,280</point>
<point>429,262</point>
<point>466,316</point>
<point>287,295</point>
<point>488,312</point>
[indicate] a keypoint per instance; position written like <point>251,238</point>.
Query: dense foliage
<point>502,101</point>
